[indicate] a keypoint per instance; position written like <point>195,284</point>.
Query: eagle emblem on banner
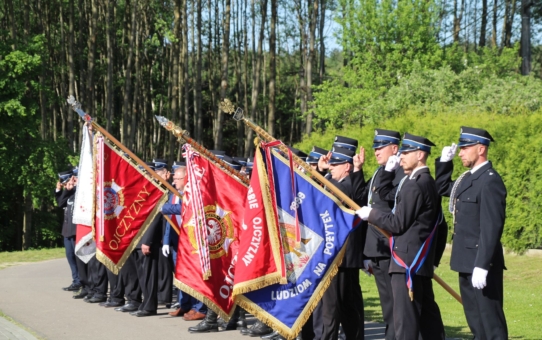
<point>113,200</point>
<point>220,231</point>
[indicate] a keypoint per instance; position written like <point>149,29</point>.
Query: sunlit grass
<point>8,259</point>
<point>522,298</point>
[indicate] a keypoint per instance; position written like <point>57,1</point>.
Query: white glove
<point>393,163</point>
<point>165,250</point>
<point>448,153</point>
<point>479,278</point>
<point>364,212</point>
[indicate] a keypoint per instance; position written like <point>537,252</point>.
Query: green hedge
<point>516,155</point>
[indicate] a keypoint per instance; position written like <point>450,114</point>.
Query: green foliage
<point>485,82</point>
<point>514,155</point>
<point>29,164</point>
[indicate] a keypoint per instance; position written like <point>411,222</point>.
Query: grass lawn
<point>8,259</point>
<point>522,298</point>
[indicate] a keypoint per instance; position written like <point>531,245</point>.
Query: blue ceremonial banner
<point>323,225</point>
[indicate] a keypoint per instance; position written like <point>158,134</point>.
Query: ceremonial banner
<point>83,210</point>
<point>127,200</point>
<point>324,224</point>
<point>260,258</point>
<point>212,210</point>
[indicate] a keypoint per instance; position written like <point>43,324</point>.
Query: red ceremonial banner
<point>212,208</point>
<point>126,203</point>
<point>260,260</point>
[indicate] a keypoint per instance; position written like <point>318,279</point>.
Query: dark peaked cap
<point>315,154</point>
<point>341,155</point>
<point>413,143</point>
<point>218,153</point>
<point>385,137</point>
<point>298,153</point>
<point>64,176</point>
<point>177,164</point>
<point>159,164</point>
<point>346,143</point>
<point>471,136</point>
<point>228,160</point>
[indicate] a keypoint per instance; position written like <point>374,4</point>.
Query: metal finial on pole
<point>183,135</point>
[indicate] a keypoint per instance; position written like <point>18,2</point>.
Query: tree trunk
<point>256,75</point>
<point>483,27</point>
<point>219,121</point>
<point>312,40</point>
<point>494,24</point>
<point>126,109</point>
<point>27,222</point>
<point>272,68</point>
<point>71,73</point>
<point>526,36</point>
<point>110,39</point>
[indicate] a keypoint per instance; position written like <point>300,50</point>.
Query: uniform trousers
<point>98,277</point>
<point>69,245</point>
<point>113,283</point>
<point>186,301</point>
<point>147,272</point>
<point>128,283</point>
<point>165,278</point>
<point>381,266</point>
<point>84,278</point>
<point>418,317</point>
<point>484,307</point>
<point>342,303</point>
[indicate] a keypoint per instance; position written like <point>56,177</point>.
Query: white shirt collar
<point>415,170</point>
<point>478,167</point>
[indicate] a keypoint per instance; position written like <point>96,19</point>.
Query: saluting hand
<point>323,162</point>
<point>448,153</point>
<point>359,159</point>
<point>393,163</point>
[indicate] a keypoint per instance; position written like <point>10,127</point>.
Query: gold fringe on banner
<point>115,268</point>
<point>274,238</point>
<point>208,302</point>
<point>274,323</point>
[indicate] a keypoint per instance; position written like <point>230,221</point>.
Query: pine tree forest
<point>127,61</point>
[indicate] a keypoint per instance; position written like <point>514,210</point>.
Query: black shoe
<point>95,299</point>
<point>204,326</point>
<point>110,304</point>
<point>258,329</point>
<point>72,288</point>
<point>80,295</point>
<point>271,335</point>
<point>88,297</point>
<point>233,324</point>
<point>141,313</point>
<point>129,307</point>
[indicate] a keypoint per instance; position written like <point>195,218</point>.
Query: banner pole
<point>228,107</point>
<point>183,134</point>
<point>76,106</point>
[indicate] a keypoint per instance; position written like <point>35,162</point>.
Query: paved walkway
<point>31,294</point>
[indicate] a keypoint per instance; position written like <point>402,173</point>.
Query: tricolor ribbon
<point>418,260</point>
<point>196,204</point>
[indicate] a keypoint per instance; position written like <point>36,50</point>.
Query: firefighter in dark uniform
<point>413,224</point>
<point>478,204</point>
<point>377,247</point>
<point>342,303</point>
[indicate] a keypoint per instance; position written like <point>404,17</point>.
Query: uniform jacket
<point>65,200</point>
<point>353,257</point>
<point>416,212</point>
<point>153,235</point>
<point>479,219</point>
<point>170,236</point>
<point>376,244</point>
